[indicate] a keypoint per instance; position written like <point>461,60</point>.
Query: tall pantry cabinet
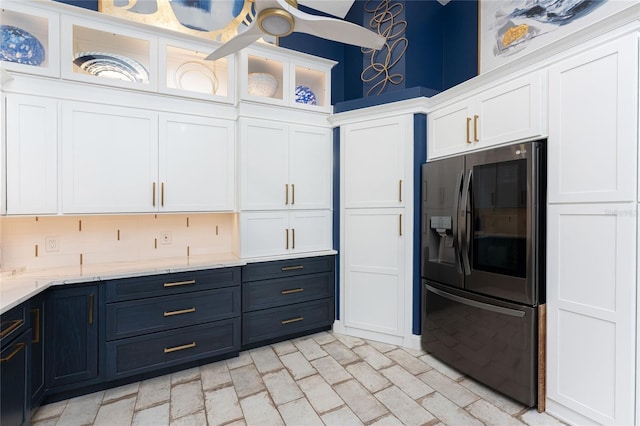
<point>592,252</point>
<point>376,226</point>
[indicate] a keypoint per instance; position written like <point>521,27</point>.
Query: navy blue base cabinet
<point>287,298</point>
<point>36,373</point>
<point>15,338</point>
<point>72,337</point>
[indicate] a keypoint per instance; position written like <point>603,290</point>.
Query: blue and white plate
<point>113,66</point>
<point>17,45</point>
<point>304,95</point>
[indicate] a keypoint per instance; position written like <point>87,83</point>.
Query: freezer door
<point>491,341</point>
<point>441,238</point>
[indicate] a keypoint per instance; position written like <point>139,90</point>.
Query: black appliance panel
<point>492,341</point>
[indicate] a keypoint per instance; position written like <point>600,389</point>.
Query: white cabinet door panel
<point>196,163</point>
<point>310,230</point>
<point>374,157</point>
<point>593,125</point>
<point>32,155</point>
<point>448,130</point>
<point>310,168</point>
<point>591,305</point>
<point>264,233</point>
<point>374,270</point>
<point>264,165</point>
<point>110,159</point>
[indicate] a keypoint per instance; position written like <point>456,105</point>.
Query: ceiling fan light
<point>276,22</point>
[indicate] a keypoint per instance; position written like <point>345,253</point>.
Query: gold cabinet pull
<point>18,348</point>
<point>292,268</point>
<point>162,194</point>
<point>180,348</point>
<point>468,129</point>
<point>153,194</point>
<point>286,236</point>
<point>16,324</point>
<point>180,312</point>
<point>293,194</point>
<point>91,308</point>
<point>178,283</point>
<point>400,190</point>
<point>400,226</point>
<point>293,239</point>
<point>475,128</point>
<point>286,193</point>
<point>289,321</point>
<point>293,290</point>
<point>36,325</point>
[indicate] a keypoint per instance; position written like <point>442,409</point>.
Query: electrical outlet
<point>165,237</point>
<point>52,244</point>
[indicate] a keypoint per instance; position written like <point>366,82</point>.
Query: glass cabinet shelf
<point>187,73</point>
<point>101,55</point>
<point>29,40</point>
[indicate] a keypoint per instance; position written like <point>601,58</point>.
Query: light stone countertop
<point>19,286</point>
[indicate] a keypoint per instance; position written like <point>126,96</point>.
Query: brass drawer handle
<point>19,347</point>
<point>177,283</point>
<point>286,236</point>
<point>468,129</point>
<point>292,268</point>
<point>16,324</point>
<point>180,312</point>
<point>180,348</point>
<point>36,325</point>
<point>286,193</point>
<point>293,239</point>
<point>293,290</point>
<point>475,128</point>
<point>153,195</point>
<point>293,194</point>
<point>162,194</point>
<point>289,321</point>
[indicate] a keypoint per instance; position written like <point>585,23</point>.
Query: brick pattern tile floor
<point>322,379</point>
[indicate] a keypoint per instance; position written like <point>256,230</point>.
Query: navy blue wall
<point>87,4</point>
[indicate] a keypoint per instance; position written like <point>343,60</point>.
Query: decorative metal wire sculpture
<point>385,21</point>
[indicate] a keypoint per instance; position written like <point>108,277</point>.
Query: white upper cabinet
<point>510,112</point>
<point>37,35</point>
<point>593,125</point>
<point>110,158</point>
<point>31,125</point>
<point>184,71</point>
<point>291,79</point>
<point>374,156</point>
<point>284,166</point>
<point>196,163</point>
<point>102,53</point>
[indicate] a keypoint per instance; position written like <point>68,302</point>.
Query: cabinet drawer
<point>167,284</point>
<point>284,291</point>
<point>287,268</point>
<point>276,322</point>
<point>131,318</point>
<point>146,353</point>
<point>13,323</point>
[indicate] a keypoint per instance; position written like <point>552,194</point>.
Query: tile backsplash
<point>31,243</point>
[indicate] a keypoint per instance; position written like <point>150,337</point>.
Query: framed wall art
<point>509,29</point>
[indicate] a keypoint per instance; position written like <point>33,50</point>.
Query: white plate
<point>196,77</point>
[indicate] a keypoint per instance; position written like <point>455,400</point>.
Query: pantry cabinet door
<point>32,153</point>
<point>196,163</point>
<point>110,158</point>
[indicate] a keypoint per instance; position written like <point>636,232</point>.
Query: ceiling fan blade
<point>336,30</point>
<point>236,43</point>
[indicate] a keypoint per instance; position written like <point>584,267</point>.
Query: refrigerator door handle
<point>465,232</point>
<point>456,228</point>
<point>476,304</point>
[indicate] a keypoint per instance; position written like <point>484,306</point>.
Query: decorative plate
<point>17,45</point>
<point>196,77</point>
<point>112,66</point>
<point>305,95</point>
<point>262,84</point>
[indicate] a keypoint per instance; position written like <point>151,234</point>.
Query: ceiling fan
<point>281,17</point>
